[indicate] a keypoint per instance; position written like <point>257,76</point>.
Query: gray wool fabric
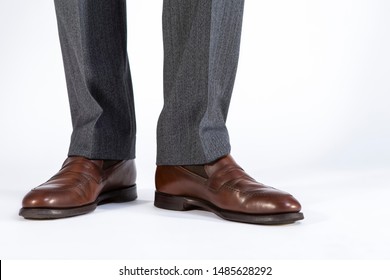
<point>201,49</point>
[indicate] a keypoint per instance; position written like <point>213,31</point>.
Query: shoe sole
<point>182,203</point>
<point>117,196</point>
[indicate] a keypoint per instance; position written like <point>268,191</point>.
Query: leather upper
<point>79,182</point>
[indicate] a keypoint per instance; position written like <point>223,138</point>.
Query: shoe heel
<point>170,202</point>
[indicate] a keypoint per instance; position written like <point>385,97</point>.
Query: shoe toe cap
<point>273,204</point>
<point>48,198</point>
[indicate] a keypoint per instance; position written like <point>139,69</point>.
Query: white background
<point>309,114</point>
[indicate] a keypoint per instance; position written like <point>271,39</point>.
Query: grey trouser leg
<point>201,48</point>
<point>93,42</point>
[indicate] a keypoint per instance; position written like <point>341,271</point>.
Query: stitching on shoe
<point>223,173</point>
<point>231,184</point>
<point>216,177</point>
<point>86,176</point>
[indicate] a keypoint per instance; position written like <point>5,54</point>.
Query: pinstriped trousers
<point>201,47</point>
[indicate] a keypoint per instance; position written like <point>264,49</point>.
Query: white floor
<point>346,217</point>
<point>309,114</point>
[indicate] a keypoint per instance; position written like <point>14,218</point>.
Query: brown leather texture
<point>227,187</point>
<point>79,182</point>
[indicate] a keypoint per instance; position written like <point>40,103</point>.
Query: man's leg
<point>100,167</point>
<point>195,170</point>
<point>94,48</point>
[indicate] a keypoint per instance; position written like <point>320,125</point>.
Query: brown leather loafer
<point>79,187</point>
<point>226,190</point>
